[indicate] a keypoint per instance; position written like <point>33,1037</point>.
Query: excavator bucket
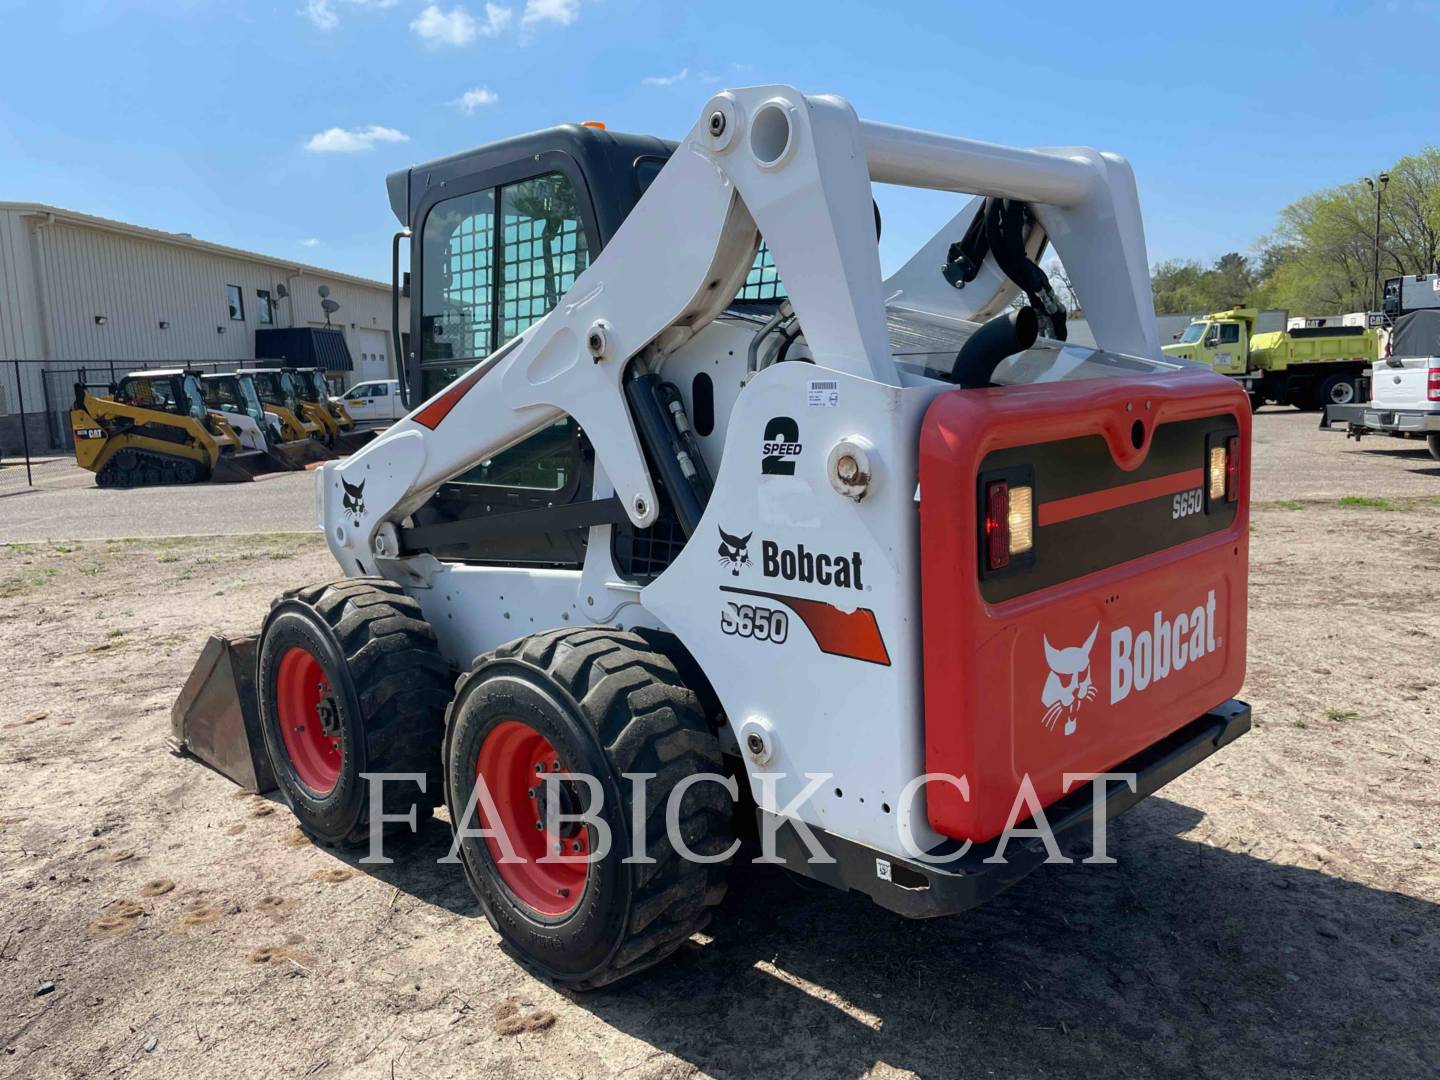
<point>216,718</point>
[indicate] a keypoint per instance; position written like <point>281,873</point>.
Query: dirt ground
<point>1275,912</point>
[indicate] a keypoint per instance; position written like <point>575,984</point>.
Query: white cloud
<point>478,98</point>
<point>311,242</point>
<point>342,141</point>
<point>457,26</point>
<point>667,80</point>
<point>324,15</point>
<point>560,12</point>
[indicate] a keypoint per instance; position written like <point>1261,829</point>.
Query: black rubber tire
<point>1325,395</point>
<point>1256,401</point>
<point>610,702</point>
<point>381,657</point>
<point>1433,443</point>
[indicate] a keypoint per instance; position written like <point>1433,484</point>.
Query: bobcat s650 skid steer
<point>884,561</point>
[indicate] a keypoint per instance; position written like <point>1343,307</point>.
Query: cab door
<point>1226,347</point>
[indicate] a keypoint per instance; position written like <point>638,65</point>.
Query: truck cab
<point>1222,341</point>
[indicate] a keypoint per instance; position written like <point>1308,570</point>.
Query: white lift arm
<point>798,171</point>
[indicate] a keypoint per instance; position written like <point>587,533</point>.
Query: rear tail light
<point>1432,385</point>
<point>1222,473</point>
<point>1009,522</point>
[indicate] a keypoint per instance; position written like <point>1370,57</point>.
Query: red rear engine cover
<point>1127,621</point>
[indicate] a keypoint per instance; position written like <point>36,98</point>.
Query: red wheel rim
<point>306,711</point>
<point>512,762</point>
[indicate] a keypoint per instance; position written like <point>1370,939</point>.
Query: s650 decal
<point>754,621</point>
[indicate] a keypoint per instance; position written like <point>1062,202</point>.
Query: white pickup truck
<point>1404,388</point>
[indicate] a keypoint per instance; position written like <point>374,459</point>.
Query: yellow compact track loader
<point>302,436</point>
<point>155,428</point>
<point>317,405</point>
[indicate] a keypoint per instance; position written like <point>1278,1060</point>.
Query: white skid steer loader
<point>885,562</point>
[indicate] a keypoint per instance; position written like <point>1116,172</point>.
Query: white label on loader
<point>822,394</point>
<point>882,869</point>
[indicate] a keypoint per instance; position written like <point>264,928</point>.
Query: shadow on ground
<point>1183,959</point>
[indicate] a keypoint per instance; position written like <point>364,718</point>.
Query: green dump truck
<point>1308,368</point>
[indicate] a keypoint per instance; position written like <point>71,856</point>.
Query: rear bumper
<point>921,890</point>
<point>1371,418</point>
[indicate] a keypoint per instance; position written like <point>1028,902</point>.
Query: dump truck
<point>880,568</point>
<point>1308,368</point>
<point>155,427</point>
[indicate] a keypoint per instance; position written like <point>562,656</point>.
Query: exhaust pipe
<point>1005,335</point>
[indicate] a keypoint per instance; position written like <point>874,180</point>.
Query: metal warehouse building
<point>80,291</point>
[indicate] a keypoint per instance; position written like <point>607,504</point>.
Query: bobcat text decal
<point>1142,658</point>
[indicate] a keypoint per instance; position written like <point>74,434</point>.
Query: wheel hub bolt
<point>575,846</point>
<point>539,826</point>
<point>530,793</point>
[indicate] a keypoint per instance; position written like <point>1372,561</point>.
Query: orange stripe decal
<point>854,634</point>
<point>1097,502</point>
<point>431,415</point>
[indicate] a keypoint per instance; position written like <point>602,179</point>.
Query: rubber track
<point>148,469</point>
<point>646,720</point>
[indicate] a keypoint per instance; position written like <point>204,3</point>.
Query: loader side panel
<point>1125,621</point>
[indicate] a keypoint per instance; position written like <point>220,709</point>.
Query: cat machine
<point>155,427</point>
<point>711,530</point>
<point>319,406</point>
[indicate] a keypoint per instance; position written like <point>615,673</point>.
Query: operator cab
<point>276,387</point>
<point>234,392</point>
<point>498,235</point>
<point>176,391</point>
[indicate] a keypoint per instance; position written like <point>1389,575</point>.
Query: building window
<point>236,300</point>
<point>267,308</point>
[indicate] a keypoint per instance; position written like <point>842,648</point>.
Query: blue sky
<point>271,126</point>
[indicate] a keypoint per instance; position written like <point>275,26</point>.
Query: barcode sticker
<point>823,394</point>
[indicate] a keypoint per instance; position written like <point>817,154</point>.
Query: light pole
<point>1377,185</point>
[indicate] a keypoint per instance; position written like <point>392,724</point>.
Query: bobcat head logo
<point>734,551</point>
<point>1069,685</point>
<point>354,499</point>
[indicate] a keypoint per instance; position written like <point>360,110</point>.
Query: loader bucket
<point>216,718</point>
<point>242,466</point>
<point>298,453</point>
<point>349,442</point>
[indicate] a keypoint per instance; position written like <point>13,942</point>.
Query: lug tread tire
<point>401,684</point>
<point>645,719</point>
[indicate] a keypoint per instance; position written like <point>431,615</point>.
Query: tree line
<point>1319,260</point>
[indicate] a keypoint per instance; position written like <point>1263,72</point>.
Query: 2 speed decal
<point>781,447</point>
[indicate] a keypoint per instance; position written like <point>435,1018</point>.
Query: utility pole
<point>1377,185</point>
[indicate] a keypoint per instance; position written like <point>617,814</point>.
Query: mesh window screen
<point>544,249</point>
<point>763,282</point>
<point>458,252</point>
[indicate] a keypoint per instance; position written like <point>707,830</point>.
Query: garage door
<point>373,359</point>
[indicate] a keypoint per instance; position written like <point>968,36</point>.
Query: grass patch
<point>1368,502</point>
<point>1300,724</point>
<point>1285,504</point>
<point>1341,716</point>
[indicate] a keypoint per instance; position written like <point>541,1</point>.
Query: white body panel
<point>376,400</point>
<point>796,170</point>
